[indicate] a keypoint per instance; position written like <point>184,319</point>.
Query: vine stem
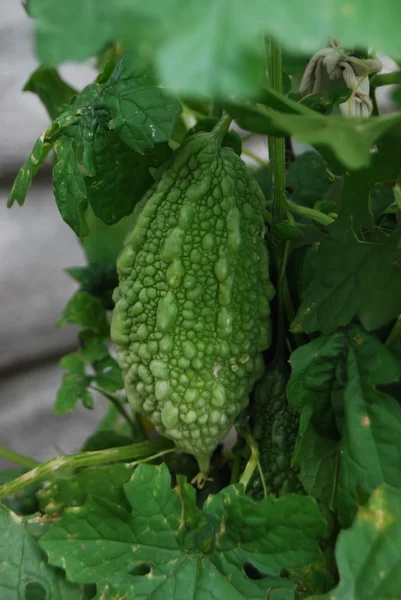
<point>276,144</point>
<point>253,463</point>
<point>386,79</point>
<point>309,213</point>
<point>255,157</point>
<point>18,459</point>
<point>119,406</point>
<point>142,452</point>
<point>279,201</point>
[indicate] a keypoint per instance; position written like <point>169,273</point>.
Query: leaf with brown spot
<point>369,553</point>
<point>166,547</point>
<point>350,432</point>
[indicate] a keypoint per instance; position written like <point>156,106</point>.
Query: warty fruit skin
<point>192,309</point>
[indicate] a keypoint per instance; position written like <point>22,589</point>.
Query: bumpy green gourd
<point>274,424</point>
<point>192,307</point>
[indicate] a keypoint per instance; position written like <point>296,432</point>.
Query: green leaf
<point>87,311</point>
<point>348,140</point>
<point>74,387</point>
<point>53,91</point>
<point>180,548</point>
<point>23,181</point>
<point>108,374</point>
<point>194,43</point>
<point>95,170</point>
<point>355,278</point>
<point>227,32</point>
<point>141,111</point>
<point>69,186</point>
<point>93,347</point>
<point>308,179</point>
<point>335,382</point>
<point>107,482</point>
<point>369,554</point>
<point>99,280</point>
<point>22,564</point>
<point>122,176</point>
<point>317,457</point>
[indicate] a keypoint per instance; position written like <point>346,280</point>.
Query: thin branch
<point>142,452</point>
<point>115,400</point>
<point>255,157</point>
<point>18,459</point>
<point>309,213</point>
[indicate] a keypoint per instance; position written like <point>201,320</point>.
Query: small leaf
<point>87,311</point>
<point>23,181</point>
<point>53,91</point>
<point>69,186</point>
<point>108,374</point>
<point>93,347</point>
<point>74,387</point>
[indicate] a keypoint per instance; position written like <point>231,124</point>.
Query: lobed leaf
<point>23,567</point>
<point>354,278</point>
<point>169,546</point>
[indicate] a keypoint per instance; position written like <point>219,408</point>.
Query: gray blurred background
<point>35,247</point>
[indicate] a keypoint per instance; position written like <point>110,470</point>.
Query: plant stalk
<point>386,79</point>
<point>142,452</point>
<point>119,406</point>
<point>309,213</point>
<point>220,129</point>
<point>276,144</point>
<point>279,202</point>
<point>18,459</point>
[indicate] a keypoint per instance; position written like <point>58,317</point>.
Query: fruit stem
<point>221,128</point>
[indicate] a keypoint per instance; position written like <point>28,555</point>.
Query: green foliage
<point>104,147</point>
<point>354,278</point>
<point>147,172</point>
<point>350,433</point>
<point>65,492</point>
<point>23,568</point>
<point>203,551</point>
<point>308,178</point>
<point>368,555</point>
<point>54,93</point>
<point>208,48</point>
